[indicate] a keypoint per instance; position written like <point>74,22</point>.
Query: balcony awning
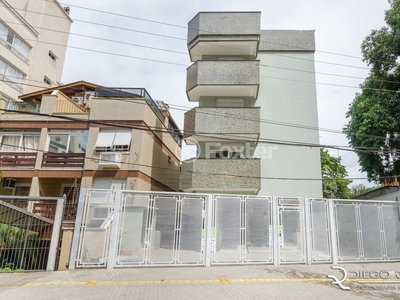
<point>112,138</point>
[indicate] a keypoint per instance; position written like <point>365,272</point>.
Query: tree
<point>360,189</point>
<point>334,184</point>
<point>374,125</point>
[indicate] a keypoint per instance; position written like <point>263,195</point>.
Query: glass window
<point>65,141</point>
<point>19,141</point>
<point>14,43</point>
<point>10,75</point>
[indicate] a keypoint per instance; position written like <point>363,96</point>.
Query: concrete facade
<point>33,42</point>
<point>236,64</point>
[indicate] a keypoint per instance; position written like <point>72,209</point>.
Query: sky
<point>151,50</point>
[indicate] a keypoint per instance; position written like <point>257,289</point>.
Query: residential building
<point>82,135</point>
<point>257,119</point>
<point>33,43</point>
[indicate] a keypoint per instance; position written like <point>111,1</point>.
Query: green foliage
<point>15,252</point>
<point>374,114</point>
<point>360,189</point>
<point>333,173</point>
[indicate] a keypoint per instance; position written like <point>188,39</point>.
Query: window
<point>71,192</point>
<point>10,75</point>
<point>117,140</point>
<point>68,141</point>
<point>21,190</point>
<point>14,43</point>
<point>48,80</point>
<point>19,141</point>
<point>230,102</point>
<point>52,55</point>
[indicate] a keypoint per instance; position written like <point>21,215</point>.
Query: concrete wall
<point>289,96</point>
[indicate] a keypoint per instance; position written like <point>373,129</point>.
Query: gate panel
<point>134,220</point>
<point>191,230</point>
<point>96,226</point>
<point>371,231</point>
<point>320,231</point>
<point>227,230</point>
<point>258,233</point>
<point>163,238</point>
<point>292,239</point>
<point>391,226</point>
<point>346,222</point>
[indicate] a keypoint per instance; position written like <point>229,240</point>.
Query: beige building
<point>82,135</point>
<point>33,38</point>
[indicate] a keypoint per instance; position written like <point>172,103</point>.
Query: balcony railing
<point>18,159</point>
<point>63,160</point>
<point>130,93</point>
<point>48,210</point>
<point>23,106</point>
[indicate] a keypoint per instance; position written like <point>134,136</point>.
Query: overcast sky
<point>340,27</point>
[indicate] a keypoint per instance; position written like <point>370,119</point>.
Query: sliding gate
<point>136,228</point>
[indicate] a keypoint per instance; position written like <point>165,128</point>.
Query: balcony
<point>223,79</point>
<point>63,160</point>
<point>224,33</point>
<point>221,175</point>
<point>18,160</point>
<point>23,106</point>
<point>212,123</point>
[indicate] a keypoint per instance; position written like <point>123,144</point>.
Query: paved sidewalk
<point>217,282</point>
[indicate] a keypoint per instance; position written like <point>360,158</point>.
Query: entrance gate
<point>117,228</point>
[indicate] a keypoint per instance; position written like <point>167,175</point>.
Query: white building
<point>33,40</point>
<point>257,97</point>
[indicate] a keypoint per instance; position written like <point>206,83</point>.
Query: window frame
<point>68,133</point>
<point>111,146</point>
<point>21,136</point>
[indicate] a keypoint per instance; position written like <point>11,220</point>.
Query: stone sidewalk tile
<point>217,282</point>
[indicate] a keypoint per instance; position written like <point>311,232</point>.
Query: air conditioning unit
<point>77,100</point>
<point>110,160</point>
<point>8,183</point>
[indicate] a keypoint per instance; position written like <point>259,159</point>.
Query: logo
<point>336,280</point>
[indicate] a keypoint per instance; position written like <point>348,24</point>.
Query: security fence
<point>29,241</point>
<point>140,228</point>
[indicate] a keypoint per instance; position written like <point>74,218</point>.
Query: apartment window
<point>68,141</point>
<point>52,55</point>
<point>19,141</point>
<point>21,190</point>
<point>230,102</point>
<point>10,75</point>
<point>118,140</point>
<point>14,43</point>
<point>48,80</point>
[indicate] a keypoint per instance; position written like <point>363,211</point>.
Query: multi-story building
<point>257,117</point>
<point>82,135</point>
<point>33,43</point>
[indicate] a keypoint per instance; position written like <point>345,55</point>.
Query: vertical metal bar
<point>332,223</point>
<point>208,230</point>
<point>308,235</point>
<point>115,224</point>
<point>275,228</point>
<point>28,227</point>
<point>77,229</point>
<point>55,236</point>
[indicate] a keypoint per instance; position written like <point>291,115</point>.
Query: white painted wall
<point>288,96</point>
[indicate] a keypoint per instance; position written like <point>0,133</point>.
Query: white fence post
<point>55,235</point>
<point>308,234</point>
<point>275,229</point>
<point>332,224</point>
<point>208,231</point>
<point>112,253</point>
<point>77,229</point>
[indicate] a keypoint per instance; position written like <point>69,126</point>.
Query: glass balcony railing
<point>23,106</point>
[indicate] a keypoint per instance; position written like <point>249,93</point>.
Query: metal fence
<point>29,241</point>
<point>137,228</point>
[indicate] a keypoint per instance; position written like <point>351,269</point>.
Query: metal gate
<point>29,241</point>
<point>140,228</point>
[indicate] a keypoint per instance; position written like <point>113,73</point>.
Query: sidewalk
<point>217,282</point>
